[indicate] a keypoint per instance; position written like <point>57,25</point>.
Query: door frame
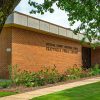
<point>86,57</point>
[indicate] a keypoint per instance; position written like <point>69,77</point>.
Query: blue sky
<point>58,17</point>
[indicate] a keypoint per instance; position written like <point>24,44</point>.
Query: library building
<point>32,43</point>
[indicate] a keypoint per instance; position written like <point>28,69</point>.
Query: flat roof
<point>23,20</point>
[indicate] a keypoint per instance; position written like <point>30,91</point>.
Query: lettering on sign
<point>61,48</point>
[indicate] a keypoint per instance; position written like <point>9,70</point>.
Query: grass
<point>86,92</point>
<point>3,94</point>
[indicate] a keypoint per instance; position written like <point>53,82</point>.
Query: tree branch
<point>6,8</point>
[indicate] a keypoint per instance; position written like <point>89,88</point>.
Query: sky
<point>59,17</point>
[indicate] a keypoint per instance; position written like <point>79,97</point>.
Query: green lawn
<point>3,94</point>
<point>86,92</point>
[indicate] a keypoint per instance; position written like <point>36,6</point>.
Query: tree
<point>6,8</point>
<point>85,11</point>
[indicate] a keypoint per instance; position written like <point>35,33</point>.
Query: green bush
<point>45,76</point>
<point>95,70</point>
<point>5,84</point>
<point>24,78</point>
<point>74,73</point>
<point>85,73</point>
<point>49,75</point>
<point>42,77</point>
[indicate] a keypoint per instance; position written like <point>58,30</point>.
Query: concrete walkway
<point>40,92</point>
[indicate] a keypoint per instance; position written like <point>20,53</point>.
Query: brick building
<point>32,43</point>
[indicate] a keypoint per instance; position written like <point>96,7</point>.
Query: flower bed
<point>47,76</point>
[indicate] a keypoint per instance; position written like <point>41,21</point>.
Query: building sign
<point>61,48</point>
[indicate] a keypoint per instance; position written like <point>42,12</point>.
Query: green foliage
<point>5,84</point>
<point>85,73</point>
<point>85,11</point>
<point>42,77</point>
<point>49,75</point>
<point>95,70</point>
<point>25,78</point>
<point>74,73</point>
<point>6,8</point>
<point>13,73</point>
<point>10,71</point>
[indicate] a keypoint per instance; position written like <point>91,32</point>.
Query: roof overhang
<point>27,22</point>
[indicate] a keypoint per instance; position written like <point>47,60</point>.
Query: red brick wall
<point>5,57</point>
<point>96,56</point>
<point>29,51</point>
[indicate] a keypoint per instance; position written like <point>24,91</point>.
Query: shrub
<point>5,84</point>
<point>42,77</point>
<point>13,72</point>
<point>51,75</point>
<point>24,78</point>
<point>95,70</point>
<point>74,73</point>
<point>85,73</point>
<point>48,75</point>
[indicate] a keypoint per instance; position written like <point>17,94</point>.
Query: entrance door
<point>86,57</point>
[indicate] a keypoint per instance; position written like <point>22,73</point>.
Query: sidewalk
<point>40,92</point>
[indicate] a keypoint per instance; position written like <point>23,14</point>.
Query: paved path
<point>40,92</point>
